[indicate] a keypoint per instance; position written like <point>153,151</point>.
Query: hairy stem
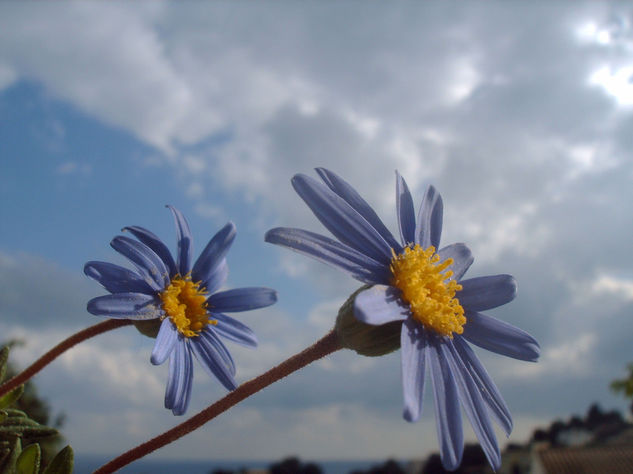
<point>59,349</point>
<point>328,344</point>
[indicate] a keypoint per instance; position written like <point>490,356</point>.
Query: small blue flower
<point>423,288</point>
<point>183,300</point>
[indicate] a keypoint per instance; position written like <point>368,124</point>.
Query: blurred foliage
<point>625,385</point>
<point>598,423</point>
<point>30,402</point>
<point>388,467</point>
<point>23,430</point>
<point>473,462</point>
<point>294,466</point>
<point>291,465</point>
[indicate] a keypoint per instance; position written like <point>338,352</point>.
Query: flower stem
<point>324,346</point>
<point>59,349</point>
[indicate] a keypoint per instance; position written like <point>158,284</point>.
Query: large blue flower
<point>183,300</point>
<point>423,288</point>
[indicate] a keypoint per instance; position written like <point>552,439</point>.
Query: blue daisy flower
<point>182,300</point>
<point>413,282</point>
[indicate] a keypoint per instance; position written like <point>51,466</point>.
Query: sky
<point>520,114</point>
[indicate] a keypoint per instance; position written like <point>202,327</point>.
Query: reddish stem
<point>328,344</point>
<point>59,349</point>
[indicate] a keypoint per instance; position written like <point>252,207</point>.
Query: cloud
<point>73,168</point>
<point>616,286</point>
<point>129,53</point>
<point>38,293</point>
<point>7,76</point>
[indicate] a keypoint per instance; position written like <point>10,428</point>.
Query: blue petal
<point>481,293</point>
<point>242,299</point>
<point>487,387</point>
<point>341,219</point>
<point>212,257</point>
<point>157,245</point>
<point>216,278</point>
<point>406,213</point>
<point>474,405</point>
<point>429,227</point>
<point>414,344</point>
<point>498,336</point>
<point>204,348</point>
<point>328,251</point>
<point>223,352</point>
<point>448,417</point>
<point>179,378</point>
<point>343,189</point>
<point>462,259</point>
<point>144,259</point>
<point>234,330</point>
<point>185,241</point>
<point>117,279</point>
<point>165,342</point>
<point>135,306</point>
<point>380,305</point>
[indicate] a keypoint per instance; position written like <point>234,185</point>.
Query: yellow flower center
<point>185,303</point>
<point>423,282</point>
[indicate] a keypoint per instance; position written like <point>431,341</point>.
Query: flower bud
<point>365,339</point>
<point>148,327</point>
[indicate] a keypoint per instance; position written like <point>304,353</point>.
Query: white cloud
<point>324,314</point>
<point>114,364</point>
<point>615,82</point>
<point>575,357</point>
<point>154,97</point>
<point>7,76</point>
<point>208,211</point>
<point>465,80</point>
<point>610,284</point>
<point>291,107</point>
<point>73,168</point>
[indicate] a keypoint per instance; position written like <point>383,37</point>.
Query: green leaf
<point>21,426</point>
<point>4,357</point>
<point>18,421</point>
<point>14,413</point>
<point>62,463</point>
<point>7,464</point>
<point>11,397</point>
<point>29,461</point>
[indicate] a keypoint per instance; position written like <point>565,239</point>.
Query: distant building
<point>583,460</point>
<point>610,452</point>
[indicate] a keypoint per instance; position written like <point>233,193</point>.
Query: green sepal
<point>29,460</point>
<point>8,461</point>
<point>62,463</point>
<point>4,357</point>
<point>148,327</point>
<point>11,397</point>
<point>365,339</point>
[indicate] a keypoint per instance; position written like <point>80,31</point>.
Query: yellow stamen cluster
<point>422,280</point>
<point>185,303</point>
